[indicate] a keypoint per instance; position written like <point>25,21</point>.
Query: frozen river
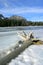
<point>32,55</point>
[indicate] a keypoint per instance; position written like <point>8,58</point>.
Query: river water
<point>33,55</point>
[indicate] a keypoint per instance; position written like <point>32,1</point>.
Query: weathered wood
<point>15,53</point>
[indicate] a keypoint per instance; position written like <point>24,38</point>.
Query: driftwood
<point>20,47</point>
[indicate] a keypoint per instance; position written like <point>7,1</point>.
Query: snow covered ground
<point>33,55</point>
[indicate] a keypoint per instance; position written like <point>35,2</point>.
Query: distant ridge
<point>15,17</point>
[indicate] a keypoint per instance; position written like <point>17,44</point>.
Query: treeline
<point>4,22</point>
<point>31,23</point>
<point>8,22</point>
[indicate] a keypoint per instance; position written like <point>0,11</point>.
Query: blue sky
<point>30,9</point>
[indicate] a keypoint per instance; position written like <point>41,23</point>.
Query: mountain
<point>1,16</point>
<point>14,17</point>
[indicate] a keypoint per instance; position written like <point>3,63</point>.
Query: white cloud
<point>28,10</point>
<point>12,3</point>
<point>21,10</point>
<point>6,4</point>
